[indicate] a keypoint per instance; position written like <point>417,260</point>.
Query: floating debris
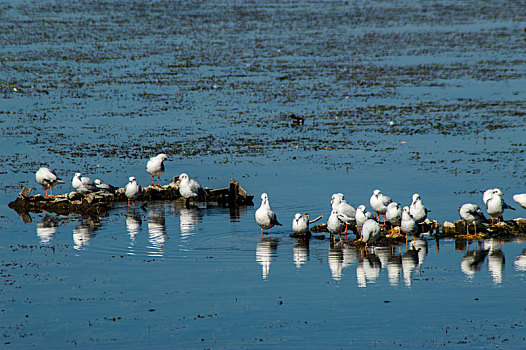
<point>98,203</point>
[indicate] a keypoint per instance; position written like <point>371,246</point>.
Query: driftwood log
<point>98,203</point>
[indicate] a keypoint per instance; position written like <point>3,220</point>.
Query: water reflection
<point>83,232</point>
<point>409,264</point>
<point>496,260</point>
<point>188,220</point>
<point>421,246</point>
<point>340,257</point>
<point>46,228</point>
<point>265,251</point>
<point>368,269</point>
<point>394,268</point>
<point>156,230</point>
<point>300,252</point>
<point>472,261</point>
<point>520,261</point>
<point>133,224</point>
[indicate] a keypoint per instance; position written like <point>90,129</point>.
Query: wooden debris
<point>97,203</point>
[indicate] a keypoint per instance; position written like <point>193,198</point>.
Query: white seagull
<point>495,205</point>
<point>265,217</point>
<point>370,231</point>
<point>189,188</point>
<point>300,224</point>
<point>103,187</point>
<point>362,216</point>
<point>335,224</point>
<point>471,214</point>
<point>83,184</point>
<point>155,167</point>
<point>132,191</point>
<point>346,211</point>
<point>521,199</point>
<point>47,178</point>
<point>418,210</point>
<point>379,203</point>
<point>393,214</point>
<point>408,225</point>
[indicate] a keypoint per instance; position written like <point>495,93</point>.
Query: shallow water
<point>406,97</point>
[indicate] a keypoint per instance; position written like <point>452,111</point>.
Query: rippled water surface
<point>405,96</point>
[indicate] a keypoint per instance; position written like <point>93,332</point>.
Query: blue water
<point>405,97</point>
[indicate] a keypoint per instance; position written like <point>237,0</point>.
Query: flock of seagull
<point>188,188</point>
<point>406,219</point>
<point>343,215</point>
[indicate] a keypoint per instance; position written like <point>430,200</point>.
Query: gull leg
<point>153,179</point>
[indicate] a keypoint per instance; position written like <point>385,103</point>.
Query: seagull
<point>189,188</point>
<point>521,199</point>
<point>495,205</point>
<point>379,203</point>
<point>155,167</point>
<point>47,178</point>
<point>132,191</point>
<point>418,210</point>
<point>265,217</point>
<point>370,231</point>
<point>300,224</point>
<point>362,216</point>
<point>335,223</point>
<point>345,210</point>
<point>393,214</point>
<point>408,225</point>
<point>83,184</point>
<point>104,187</point>
<point>471,214</point>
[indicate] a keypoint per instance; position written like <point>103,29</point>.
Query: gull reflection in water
<point>46,229</point>
<point>368,269</point>
<point>300,251</point>
<point>472,261</point>
<point>394,268</point>
<point>520,261</point>
<point>265,251</point>
<point>188,220</point>
<point>420,245</point>
<point>496,259</point>
<point>83,233</point>
<point>340,257</point>
<point>133,224</point>
<point>409,264</point>
<point>156,230</point>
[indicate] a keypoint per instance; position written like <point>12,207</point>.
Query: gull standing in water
<point>335,224</point>
<point>370,231</point>
<point>155,167</point>
<point>346,211</point>
<point>300,224</point>
<point>393,214</point>
<point>189,188</point>
<point>495,205</point>
<point>265,217</point>
<point>418,210</point>
<point>379,203</point>
<point>521,199</point>
<point>83,184</point>
<point>408,225</point>
<point>471,214</point>
<point>47,178</point>
<point>362,216</point>
<point>132,191</point>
